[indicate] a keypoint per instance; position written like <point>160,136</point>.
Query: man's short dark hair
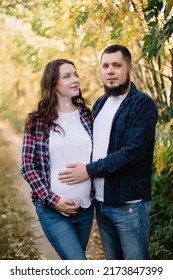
<point>115,48</point>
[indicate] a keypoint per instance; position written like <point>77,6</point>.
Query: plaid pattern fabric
<point>127,168</point>
<point>36,163</point>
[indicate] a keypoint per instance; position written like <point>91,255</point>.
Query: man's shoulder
<point>101,99</point>
<point>140,95</point>
<point>143,100</point>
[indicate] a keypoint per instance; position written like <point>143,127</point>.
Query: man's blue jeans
<point>124,231</point>
<point>68,235</point>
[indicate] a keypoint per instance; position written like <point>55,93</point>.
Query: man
<point>124,133</point>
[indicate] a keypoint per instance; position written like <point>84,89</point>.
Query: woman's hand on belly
<point>66,206</point>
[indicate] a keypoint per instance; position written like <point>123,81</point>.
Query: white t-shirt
<point>102,129</point>
<point>74,145</point>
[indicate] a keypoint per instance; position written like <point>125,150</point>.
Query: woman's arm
<point>31,173</point>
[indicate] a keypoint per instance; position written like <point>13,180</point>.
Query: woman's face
<point>68,83</point>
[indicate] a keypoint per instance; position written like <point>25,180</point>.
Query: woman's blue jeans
<point>124,231</point>
<point>68,235</point>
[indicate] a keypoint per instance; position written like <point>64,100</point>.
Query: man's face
<point>115,71</point>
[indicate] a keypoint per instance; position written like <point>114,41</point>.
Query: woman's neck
<point>66,107</point>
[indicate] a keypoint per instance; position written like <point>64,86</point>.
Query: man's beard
<point>120,90</point>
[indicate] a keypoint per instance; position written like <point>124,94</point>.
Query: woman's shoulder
<point>83,109</point>
<point>33,122</point>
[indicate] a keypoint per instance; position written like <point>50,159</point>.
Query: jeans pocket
<point>131,207</point>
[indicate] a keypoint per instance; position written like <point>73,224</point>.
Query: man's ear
<point>131,67</point>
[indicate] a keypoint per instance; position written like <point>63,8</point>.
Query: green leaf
<point>147,38</point>
<point>149,16</point>
<point>157,51</point>
<point>153,24</point>
<point>168,7</point>
<point>147,9</point>
<point>81,18</point>
<point>151,54</point>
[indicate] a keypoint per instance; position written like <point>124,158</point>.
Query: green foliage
<point>164,148</point>
<point>157,33</point>
<point>161,240</point>
<point>161,237</point>
<point>154,41</point>
<point>81,18</point>
<point>168,8</point>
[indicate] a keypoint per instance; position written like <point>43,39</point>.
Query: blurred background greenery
<point>35,32</point>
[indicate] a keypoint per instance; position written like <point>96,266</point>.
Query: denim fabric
<point>124,231</point>
<point>68,235</point>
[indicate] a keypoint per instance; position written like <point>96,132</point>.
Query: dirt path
<point>94,250</point>
<point>15,142</point>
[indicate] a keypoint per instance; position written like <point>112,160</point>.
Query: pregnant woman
<point>57,133</point>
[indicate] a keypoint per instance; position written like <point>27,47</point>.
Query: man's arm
<point>139,138</point>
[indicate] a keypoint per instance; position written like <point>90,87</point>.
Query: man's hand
<point>66,206</point>
<point>76,173</point>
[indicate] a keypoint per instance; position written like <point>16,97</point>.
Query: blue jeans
<point>124,231</point>
<point>68,235</point>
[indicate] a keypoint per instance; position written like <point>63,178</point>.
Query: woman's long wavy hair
<point>47,106</point>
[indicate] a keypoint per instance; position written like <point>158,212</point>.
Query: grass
<point>16,241</point>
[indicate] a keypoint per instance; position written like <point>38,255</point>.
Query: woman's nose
<point>76,79</point>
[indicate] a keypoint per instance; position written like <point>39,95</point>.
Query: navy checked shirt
<point>127,168</point>
<point>36,162</point>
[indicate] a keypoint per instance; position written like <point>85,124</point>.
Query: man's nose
<point>111,70</point>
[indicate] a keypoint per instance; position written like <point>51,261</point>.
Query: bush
<point>161,233</point>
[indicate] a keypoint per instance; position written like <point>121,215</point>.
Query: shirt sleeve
<point>139,138</point>
<point>31,173</point>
